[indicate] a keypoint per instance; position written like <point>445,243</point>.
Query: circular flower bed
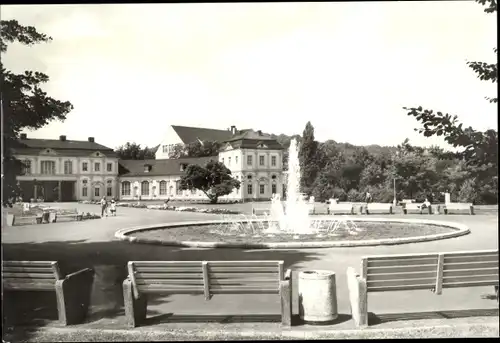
<point>167,207</point>
<point>372,231</point>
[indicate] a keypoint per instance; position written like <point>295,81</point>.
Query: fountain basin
<point>192,234</point>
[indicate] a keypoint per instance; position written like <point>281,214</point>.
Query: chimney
<point>24,136</point>
<point>259,132</point>
<point>233,129</point>
<point>91,139</point>
<point>62,138</point>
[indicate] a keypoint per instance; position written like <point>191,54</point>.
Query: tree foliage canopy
<point>25,105</point>
<point>133,151</point>
<point>214,179</point>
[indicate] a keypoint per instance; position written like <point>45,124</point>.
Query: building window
<point>97,192</point>
<point>249,189</point>
<point>229,161</point>
<point>109,188</point>
<point>97,166</point>
<point>236,160</point>
<point>262,189</point>
<point>109,167</point>
<point>261,160</point>
<point>183,166</point>
<point>249,160</point>
<point>163,187</point>
<point>273,161</point>
<point>171,190</point>
<point>144,188</point>
<point>68,167</point>
<point>126,188</point>
<point>27,167</point>
<point>85,166</point>
<point>273,188</point>
<point>84,189</point>
<point>48,167</point>
<point>165,148</point>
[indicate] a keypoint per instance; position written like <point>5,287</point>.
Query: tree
<point>307,157</point>
<point>478,148</point>
<point>214,180</point>
<point>133,151</point>
<point>196,149</point>
<point>24,104</point>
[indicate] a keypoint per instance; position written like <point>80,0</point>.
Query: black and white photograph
<point>249,171</point>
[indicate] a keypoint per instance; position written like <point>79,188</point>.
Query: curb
<point>124,235</point>
<point>460,330</point>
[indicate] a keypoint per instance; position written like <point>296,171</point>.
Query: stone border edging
<point>124,235</point>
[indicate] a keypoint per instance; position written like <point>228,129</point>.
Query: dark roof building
<point>169,167</point>
<point>63,146</point>
<point>192,134</point>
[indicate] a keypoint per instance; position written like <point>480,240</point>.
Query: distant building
<point>66,170</point>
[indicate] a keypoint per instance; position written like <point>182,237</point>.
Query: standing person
<point>104,205</point>
<point>112,207</point>
<point>368,197</point>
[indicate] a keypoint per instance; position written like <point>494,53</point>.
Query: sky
<point>131,70</point>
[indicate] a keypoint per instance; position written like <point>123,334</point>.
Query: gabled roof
<point>250,139</point>
<point>159,167</point>
<point>192,134</point>
<point>66,147</point>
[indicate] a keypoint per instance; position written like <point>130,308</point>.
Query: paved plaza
<point>92,244</point>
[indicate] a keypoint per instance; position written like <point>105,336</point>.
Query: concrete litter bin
<point>317,296</point>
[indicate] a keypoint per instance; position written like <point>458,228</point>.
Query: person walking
<point>112,207</point>
<point>104,205</point>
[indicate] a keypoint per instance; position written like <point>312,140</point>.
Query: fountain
<point>290,218</point>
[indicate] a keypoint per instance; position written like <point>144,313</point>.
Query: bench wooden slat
<point>401,282</point>
<point>243,290</point>
<point>467,259</point>
<point>147,276</point>
<point>41,269</point>
<point>157,288</point>
<point>241,269</point>
<point>225,275</point>
<point>456,279</point>
<point>400,288</point>
<point>243,264</point>
<point>402,269</point>
<point>174,270</point>
<point>470,284</point>
<point>399,257</point>
<point>399,262</point>
<point>28,285</point>
<point>158,271</point>
<point>139,264</point>
<point>471,272</point>
<point>50,276</point>
<point>169,282</point>
<point>470,265</point>
<point>248,282</point>
<point>27,263</point>
<point>397,276</point>
<point>472,253</point>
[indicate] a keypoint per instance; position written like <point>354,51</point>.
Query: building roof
<point>250,139</point>
<point>192,134</point>
<point>66,147</point>
<point>165,167</point>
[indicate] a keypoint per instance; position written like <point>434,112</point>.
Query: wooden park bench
<point>344,208</point>
<point>27,220</point>
<point>73,215</point>
<point>458,206</point>
<point>205,278</point>
<point>435,272</point>
<point>72,291</point>
<point>260,211</point>
<point>377,207</point>
<point>411,207</point>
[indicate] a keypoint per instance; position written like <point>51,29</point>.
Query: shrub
<point>468,191</point>
<point>355,196</point>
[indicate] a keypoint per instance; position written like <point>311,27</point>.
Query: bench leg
<point>286,302</point>
<point>73,297</point>
<point>135,309</point>
<point>358,298</point>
